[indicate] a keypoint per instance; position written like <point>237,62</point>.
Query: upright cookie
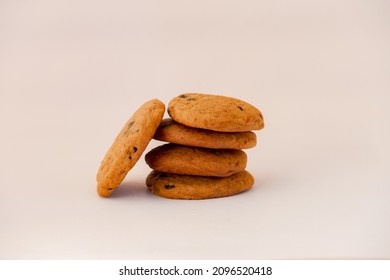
<point>215,112</point>
<point>174,132</point>
<point>129,146</point>
<point>187,160</point>
<point>197,187</point>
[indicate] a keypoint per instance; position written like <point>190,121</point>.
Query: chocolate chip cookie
<point>215,112</point>
<point>129,146</point>
<point>197,187</point>
<point>174,132</point>
<point>178,159</point>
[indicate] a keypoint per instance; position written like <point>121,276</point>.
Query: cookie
<point>215,112</point>
<point>197,187</point>
<point>129,146</point>
<point>174,132</point>
<point>187,160</point>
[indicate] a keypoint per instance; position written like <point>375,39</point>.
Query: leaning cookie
<point>187,160</point>
<point>197,187</point>
<point>174,132</point>
<point>129,146</point>
<point>215,112</point>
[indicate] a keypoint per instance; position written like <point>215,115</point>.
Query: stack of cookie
<point>204,157</point>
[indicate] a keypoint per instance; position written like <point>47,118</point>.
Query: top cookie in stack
<point>215,112</point>
<point>204,159</point>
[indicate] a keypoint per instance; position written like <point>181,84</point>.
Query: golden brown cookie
<point>187,160</point>
<point>197,187</point>
<point>174,132</point>
<point>215,112</point>
<point>129,146</point>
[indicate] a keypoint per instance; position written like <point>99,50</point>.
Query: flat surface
<point>73,72</point>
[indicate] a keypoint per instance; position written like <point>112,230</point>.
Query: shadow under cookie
<point>131,189</point>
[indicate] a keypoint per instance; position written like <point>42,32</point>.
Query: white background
<point>73,72</point>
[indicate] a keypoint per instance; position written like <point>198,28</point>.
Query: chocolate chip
<point>186,97</point>
<point>239,107</point>
<point>135,149</point>
<point>129,125</point>
<point>169,187</point>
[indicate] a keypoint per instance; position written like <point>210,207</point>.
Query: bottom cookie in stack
<point>177,186</point>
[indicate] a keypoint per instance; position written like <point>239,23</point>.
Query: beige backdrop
<point>72,72</point>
